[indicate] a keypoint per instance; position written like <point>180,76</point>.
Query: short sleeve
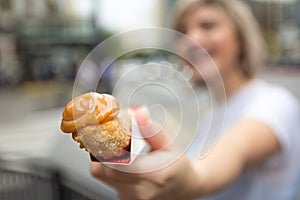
<point>278,108</point>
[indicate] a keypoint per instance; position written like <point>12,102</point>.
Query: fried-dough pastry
<point>93,120</point>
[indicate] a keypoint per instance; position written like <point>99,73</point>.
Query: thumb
<point>151,132</point>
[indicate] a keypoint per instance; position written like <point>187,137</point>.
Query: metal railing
<point>20,181</point>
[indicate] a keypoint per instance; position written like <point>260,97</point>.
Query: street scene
<point>43,46</point>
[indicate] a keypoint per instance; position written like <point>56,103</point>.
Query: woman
<point>256,158</point>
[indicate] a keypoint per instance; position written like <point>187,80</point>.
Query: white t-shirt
<point>278,177</point>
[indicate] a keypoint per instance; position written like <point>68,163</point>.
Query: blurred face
<point>210,27</point>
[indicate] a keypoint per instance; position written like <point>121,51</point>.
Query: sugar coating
<point>107,140</point>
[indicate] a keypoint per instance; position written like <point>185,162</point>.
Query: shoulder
<point>277,107</point>
<point>267,96</point>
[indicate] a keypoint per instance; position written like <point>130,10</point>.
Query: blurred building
<point>44,39</point>
<point>280,23</point>
<point>47,39</point>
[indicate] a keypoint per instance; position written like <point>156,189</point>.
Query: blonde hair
<point>253,51</point>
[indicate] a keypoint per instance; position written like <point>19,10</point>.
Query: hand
<point>162,174</point>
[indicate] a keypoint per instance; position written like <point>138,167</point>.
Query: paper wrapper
<point>137,145</point>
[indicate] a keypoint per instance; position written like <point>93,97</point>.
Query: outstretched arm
<point>248,142</point>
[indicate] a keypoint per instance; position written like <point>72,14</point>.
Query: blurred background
<point>42,44</point>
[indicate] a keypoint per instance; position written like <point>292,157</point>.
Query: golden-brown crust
<point>94,115</point>
<point>88,109</point>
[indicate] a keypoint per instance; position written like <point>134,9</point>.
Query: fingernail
<point>140,108</point>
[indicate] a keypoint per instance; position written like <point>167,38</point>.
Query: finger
<point>152,162</point>
<point>140,190</point>
<point>152,133</point>
<point>97,170</point>
<point>121,176</point>
<point>124,184</point>
<point>113,175</point>
<point>127,178</point>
